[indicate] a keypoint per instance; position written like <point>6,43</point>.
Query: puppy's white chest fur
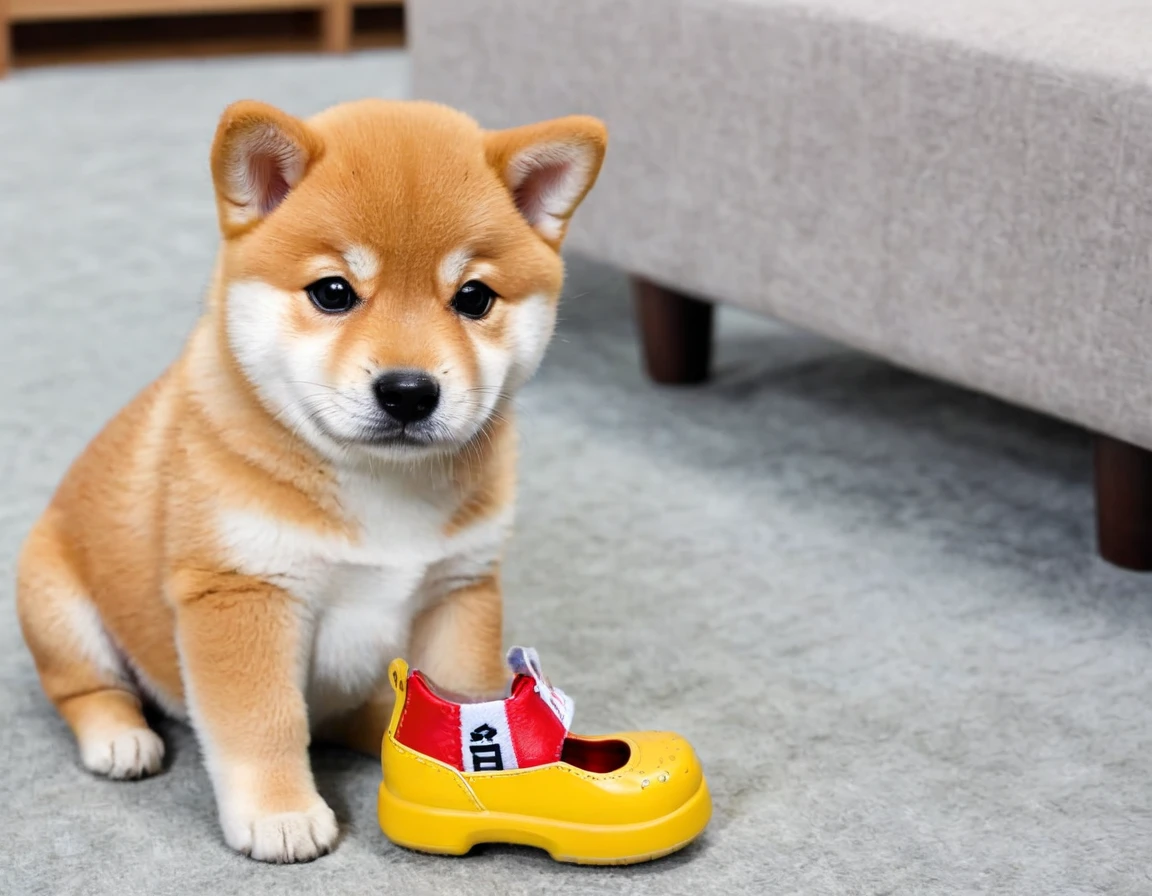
<point>359,594</point>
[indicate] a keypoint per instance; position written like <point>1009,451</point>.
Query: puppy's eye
<point>333,295</point>
<point>474,299</point>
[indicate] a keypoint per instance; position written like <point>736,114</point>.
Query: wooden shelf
<point>45,10</point>
<point>336,17</point>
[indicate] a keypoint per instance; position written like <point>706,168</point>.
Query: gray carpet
<point>870,600</point>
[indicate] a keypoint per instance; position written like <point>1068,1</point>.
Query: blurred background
<point>850,391</point>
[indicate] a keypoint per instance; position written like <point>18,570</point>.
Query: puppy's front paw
<point>283,836</point>
<point>131,753</point>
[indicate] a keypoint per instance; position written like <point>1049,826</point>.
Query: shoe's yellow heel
<point>439,831</point>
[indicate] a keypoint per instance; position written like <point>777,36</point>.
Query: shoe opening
<point>454,697</point>
<point>597,756</point>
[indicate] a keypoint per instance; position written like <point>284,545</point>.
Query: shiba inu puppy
<point>324,478</point>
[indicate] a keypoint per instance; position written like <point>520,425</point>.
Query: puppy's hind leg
<point>458,643</point>
<point>80,669</point>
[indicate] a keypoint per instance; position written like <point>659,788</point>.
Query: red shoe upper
<point>526,729</point>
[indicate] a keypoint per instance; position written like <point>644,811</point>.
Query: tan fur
<point>129,588</point>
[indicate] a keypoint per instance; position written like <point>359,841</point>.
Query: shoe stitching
<point>439,769</point>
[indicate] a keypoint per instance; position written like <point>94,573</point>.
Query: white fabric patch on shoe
<point>485,741</point>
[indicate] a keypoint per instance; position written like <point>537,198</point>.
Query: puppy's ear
<point>259,155</point>
<point>549,168</point>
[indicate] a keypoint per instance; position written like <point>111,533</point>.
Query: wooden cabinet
<point>335,15</point>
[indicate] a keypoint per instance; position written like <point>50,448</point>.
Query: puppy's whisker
<point>327,386</point>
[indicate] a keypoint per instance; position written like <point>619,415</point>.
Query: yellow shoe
<point>508,771</point>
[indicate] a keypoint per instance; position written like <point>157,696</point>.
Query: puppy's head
<point>390,271</point>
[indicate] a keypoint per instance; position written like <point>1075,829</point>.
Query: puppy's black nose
<point>407,395</point>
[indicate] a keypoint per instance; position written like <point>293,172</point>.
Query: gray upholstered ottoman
<point>963,188</point>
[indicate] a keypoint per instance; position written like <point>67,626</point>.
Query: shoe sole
<point>454,833</point>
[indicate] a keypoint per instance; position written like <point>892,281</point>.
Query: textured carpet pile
<point>869,599</point>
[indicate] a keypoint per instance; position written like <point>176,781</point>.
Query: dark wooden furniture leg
<point>676,331</point>
<point>1124,503</point>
